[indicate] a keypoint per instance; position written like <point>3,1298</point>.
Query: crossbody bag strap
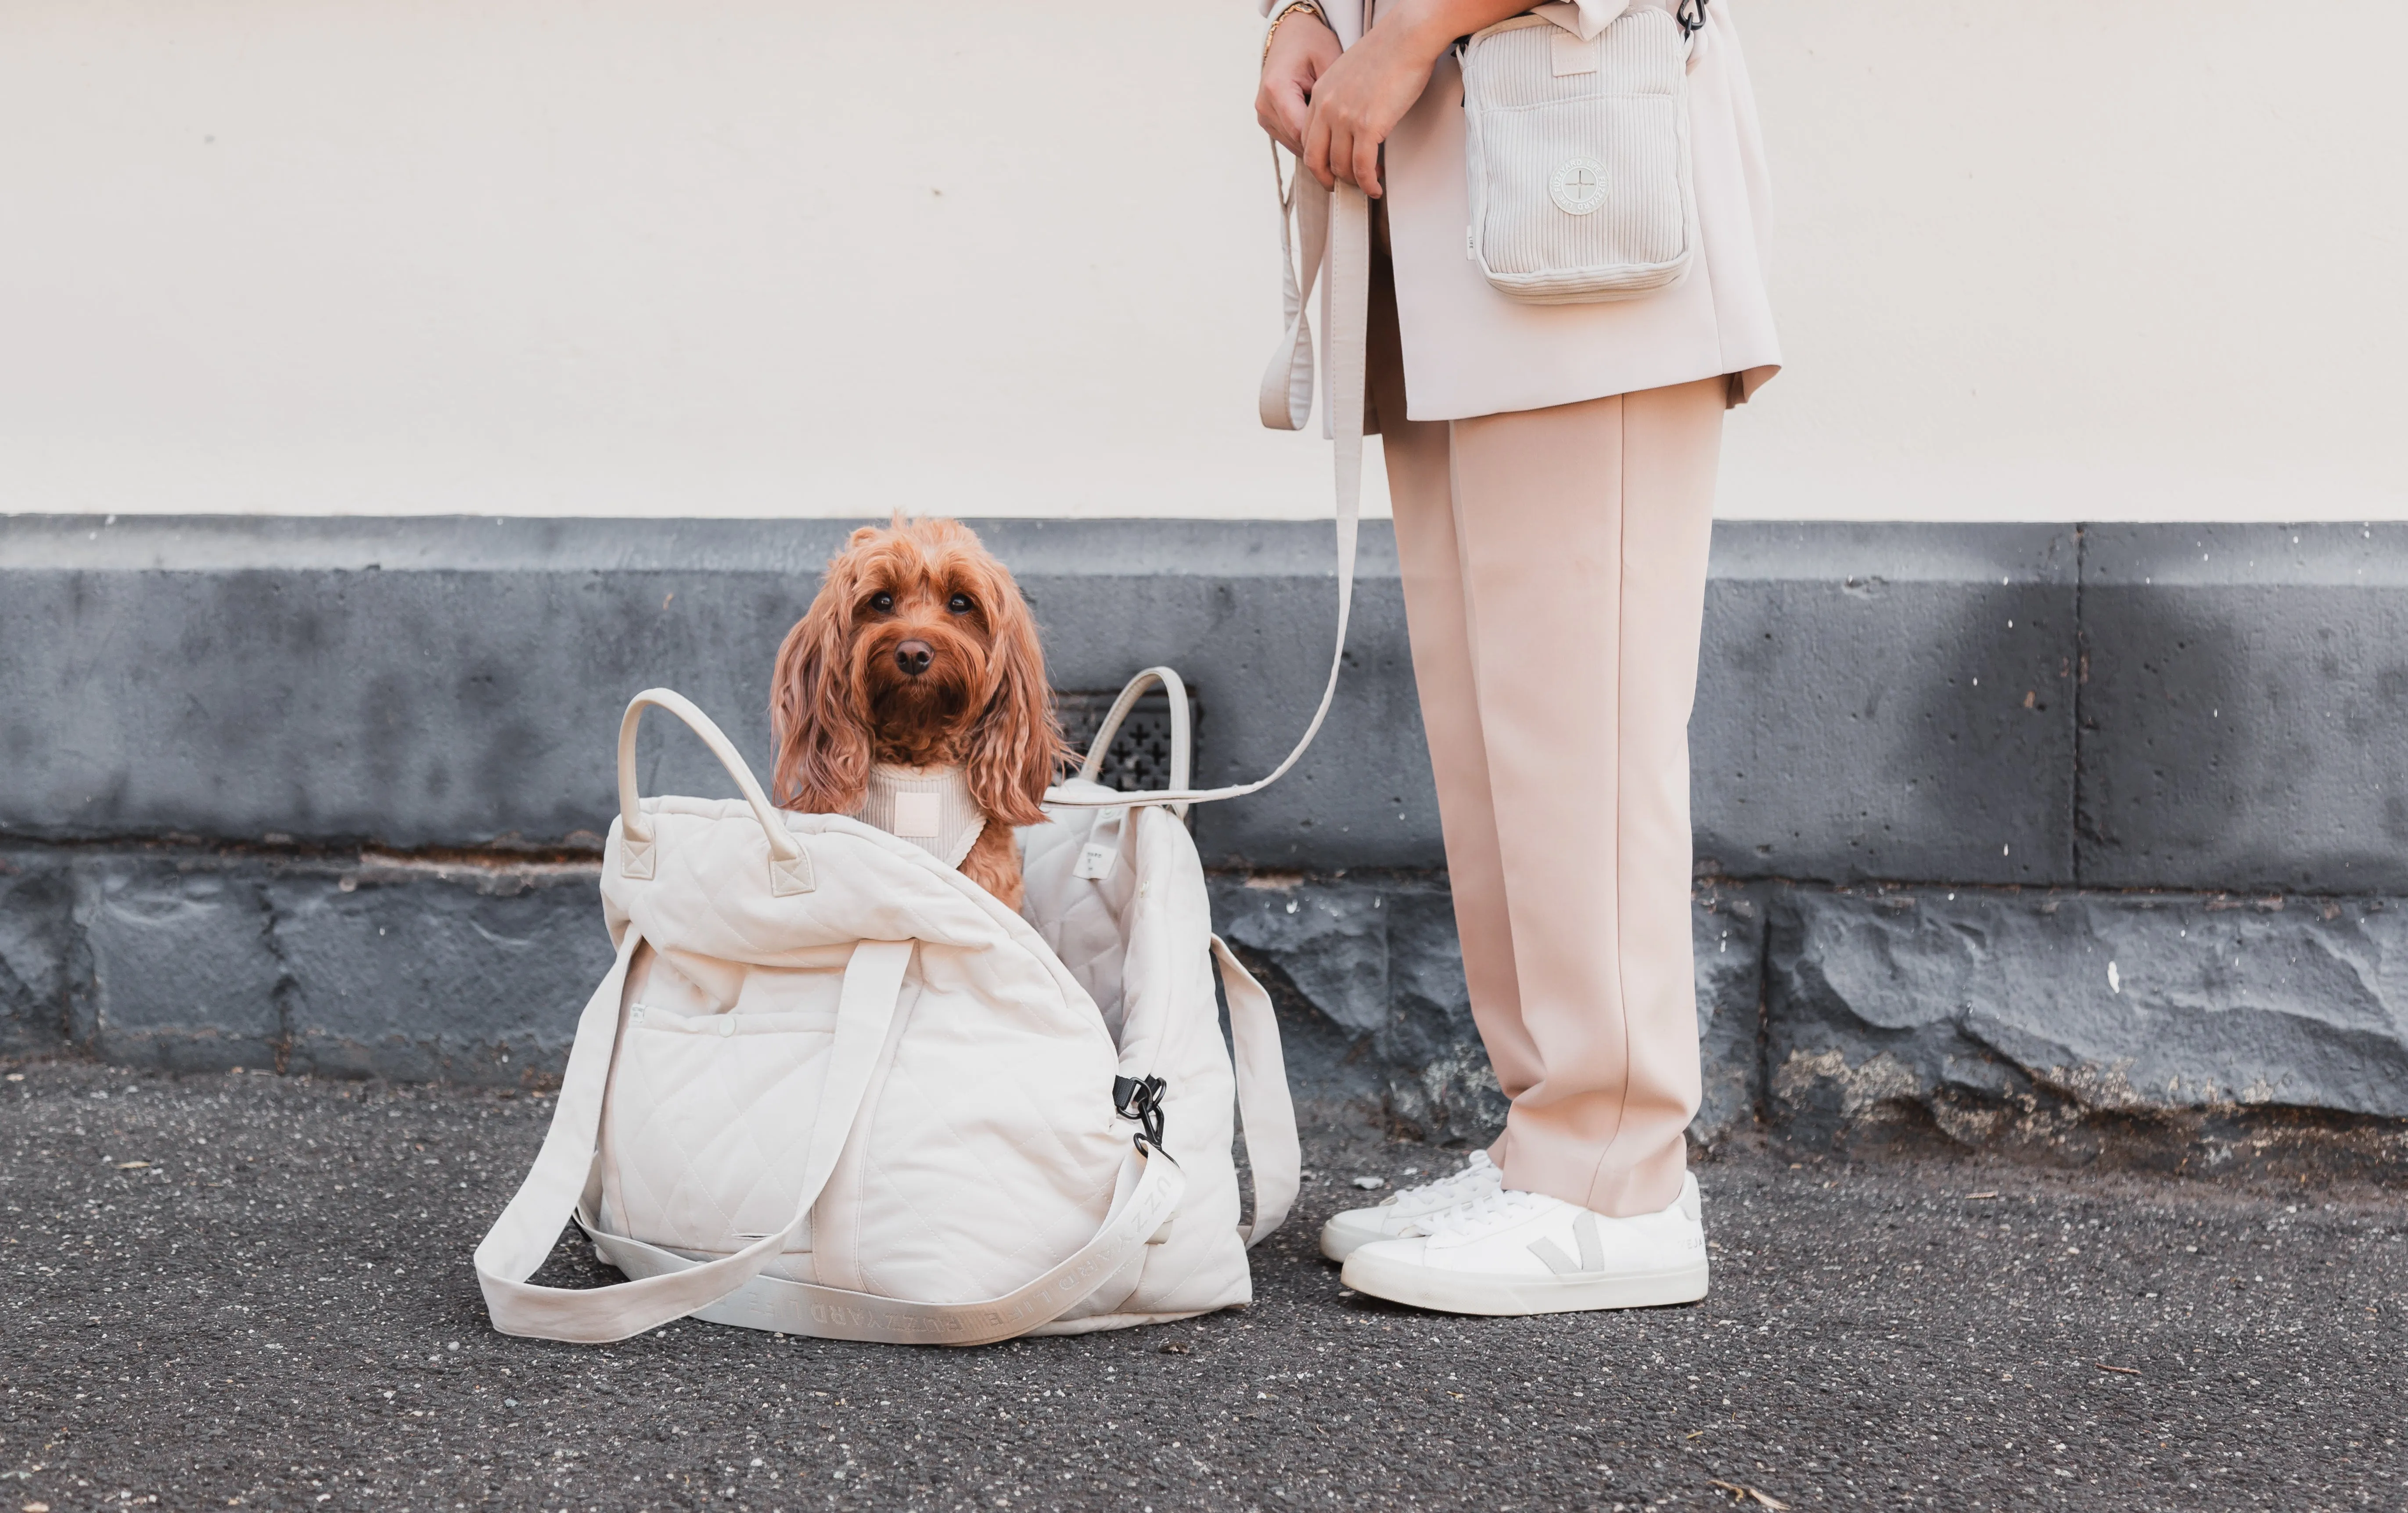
<point>1344,218</point>
<point>1285,401</point>
<point>1263,1103</point>
<point>832,1313</point>
<point>522,1237</point>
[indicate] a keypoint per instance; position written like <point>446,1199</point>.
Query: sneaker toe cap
<point>1380,1254</point>
<point>1346,1233</point>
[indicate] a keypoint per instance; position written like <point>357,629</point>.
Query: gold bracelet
<point>1287,10</point>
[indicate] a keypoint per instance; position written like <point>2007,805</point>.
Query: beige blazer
<point>1470,350</point>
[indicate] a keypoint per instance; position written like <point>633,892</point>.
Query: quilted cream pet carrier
<point>830,1086</point>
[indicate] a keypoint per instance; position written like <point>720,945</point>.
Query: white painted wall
<point>2109,259</point>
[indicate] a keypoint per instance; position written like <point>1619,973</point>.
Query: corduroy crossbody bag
<point>1577,151</point>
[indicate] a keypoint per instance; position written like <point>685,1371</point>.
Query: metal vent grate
<point>1139,755</point>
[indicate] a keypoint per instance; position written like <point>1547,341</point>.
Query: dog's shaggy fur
<point>919,650</point>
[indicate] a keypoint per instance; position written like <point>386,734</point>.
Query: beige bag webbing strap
<point>1263,1102</point>
<point>522,1237</point>
<point>1343,221</point>
<point>1285,399</point>
<point>831,1313</point>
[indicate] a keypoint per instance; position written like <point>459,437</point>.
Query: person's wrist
<point>1296,11</point>
<point>1423,28</point>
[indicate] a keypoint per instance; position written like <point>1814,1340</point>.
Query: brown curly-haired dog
<point>919,651</point>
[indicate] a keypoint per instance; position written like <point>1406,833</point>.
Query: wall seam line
<point>2081,674</point>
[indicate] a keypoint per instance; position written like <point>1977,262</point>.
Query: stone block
<point>1994,1012</point>
<point>37,943</point>
<point>1246,612</point>
<point>424,971</point>
<point>1886,701</point>
<point>1376,1016</point>
<point>1379,1017</point>
<point>2245,721</point>
<point>184,974</point>
<point>1727,934</point>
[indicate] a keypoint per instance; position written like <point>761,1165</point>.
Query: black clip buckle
<point>1140,1101</point>
<point>1691,14</point>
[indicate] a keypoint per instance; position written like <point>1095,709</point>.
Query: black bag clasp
<point>1140,1101</point>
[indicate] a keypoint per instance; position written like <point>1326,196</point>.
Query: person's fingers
<point>1341,153</point>
<point>1294,103</point>
<point>1314,159</point>
<point>1282,109</point>
<point>1367,164</point>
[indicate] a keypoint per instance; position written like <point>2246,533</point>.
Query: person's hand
<point>1332,108</point>
<point>1359,98</point>
<point>1301,53</point>
<point>1351,101</point>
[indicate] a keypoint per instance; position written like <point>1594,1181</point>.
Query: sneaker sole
<point>1500,1297</point>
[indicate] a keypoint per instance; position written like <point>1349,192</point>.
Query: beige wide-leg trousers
<point>1555,576</point>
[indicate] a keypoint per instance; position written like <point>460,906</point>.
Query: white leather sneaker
<point>1358,1226</point>
<point>1527,1253</point>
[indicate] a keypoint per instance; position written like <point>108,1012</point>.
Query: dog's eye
<point>960,604</point>
<point>883,603</point>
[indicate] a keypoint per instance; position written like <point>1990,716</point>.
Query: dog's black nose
<point>913,657</point>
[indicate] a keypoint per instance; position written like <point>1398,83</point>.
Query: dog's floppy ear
<point>817,714</point>
<point>1016,746</point>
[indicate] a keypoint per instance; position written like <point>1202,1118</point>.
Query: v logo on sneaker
<point>1592,1249</point>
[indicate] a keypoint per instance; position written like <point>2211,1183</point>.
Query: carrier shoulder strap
<point>829,1313</point>
<point>1272,1151</point>
<point>666,1286</point>
<point>523,1235</point>
<point>1337,223</point>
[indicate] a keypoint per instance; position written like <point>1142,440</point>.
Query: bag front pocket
<point>1583,184</point>
<point>709,1123</point>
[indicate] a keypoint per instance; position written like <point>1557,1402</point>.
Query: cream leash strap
<point>1341,222</point>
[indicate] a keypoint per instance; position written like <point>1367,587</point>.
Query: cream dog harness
<point>928,806</point>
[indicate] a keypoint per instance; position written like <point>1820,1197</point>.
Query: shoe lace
<point>1475,1217</point>
<point>1479,1171</point>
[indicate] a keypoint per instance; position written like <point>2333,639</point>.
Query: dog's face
<point>920,650</point>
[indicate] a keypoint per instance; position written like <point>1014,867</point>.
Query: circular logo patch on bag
<point>1578,185</point>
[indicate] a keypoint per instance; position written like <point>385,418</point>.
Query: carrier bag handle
<point>1183,737</point>
<point>1341,221</point>
<point>832,1313</point>
<point>790,865</point>
<point>522,1237</point>
<point>1263,1101</point>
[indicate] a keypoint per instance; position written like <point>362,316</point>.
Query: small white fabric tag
<point>919,816</point>
<point>1103,846</point>
<point>1572,55</point>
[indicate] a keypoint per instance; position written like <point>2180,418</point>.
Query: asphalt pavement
<point>251,1290</point>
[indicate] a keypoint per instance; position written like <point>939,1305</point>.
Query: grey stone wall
<point>2000,828</point>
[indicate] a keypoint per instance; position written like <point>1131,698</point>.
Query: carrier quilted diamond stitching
<point>1021,1252</point>
<point>756,1096</point>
